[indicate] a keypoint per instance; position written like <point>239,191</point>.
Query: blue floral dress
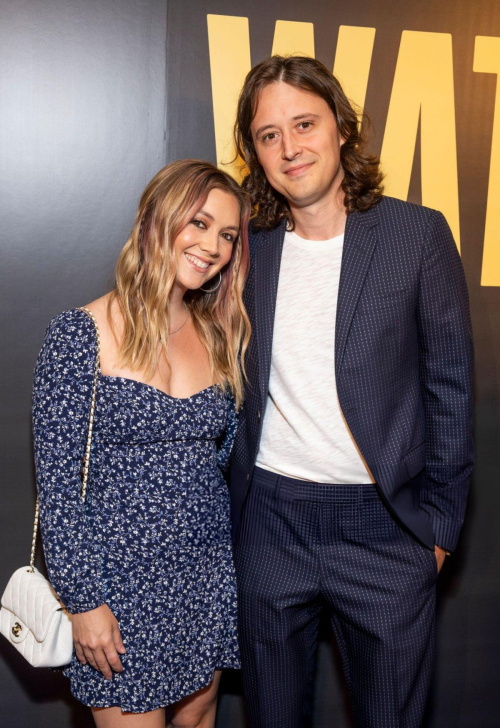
<point>152,540</point>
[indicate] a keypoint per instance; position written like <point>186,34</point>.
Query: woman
<point>145,565</point>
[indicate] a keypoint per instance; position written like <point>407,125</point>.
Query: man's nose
<point>290,147</point>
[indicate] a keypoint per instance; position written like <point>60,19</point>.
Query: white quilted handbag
<point>32,618</point>
<point>34,621</point>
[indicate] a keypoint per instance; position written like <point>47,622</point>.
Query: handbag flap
<point>31,598</point>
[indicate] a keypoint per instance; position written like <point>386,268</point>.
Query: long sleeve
<point>61,409</point>
<point>446,361</point>
<point>227,441</point>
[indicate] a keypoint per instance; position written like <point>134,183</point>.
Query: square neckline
<point>155,389</point>
<point>89,315</point>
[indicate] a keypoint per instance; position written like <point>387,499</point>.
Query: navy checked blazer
<point>403,362</point>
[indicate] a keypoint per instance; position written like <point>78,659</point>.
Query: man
<point>353,455</point>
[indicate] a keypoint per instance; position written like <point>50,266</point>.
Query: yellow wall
<point>423,91</point>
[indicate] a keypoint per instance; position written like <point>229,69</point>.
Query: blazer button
<point>258,416</point>
<point>248,476</point>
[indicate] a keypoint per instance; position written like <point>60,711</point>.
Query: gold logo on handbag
<point>17,629</point>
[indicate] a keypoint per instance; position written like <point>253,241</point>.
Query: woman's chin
<point>193,282</point>
<point>190,282</point>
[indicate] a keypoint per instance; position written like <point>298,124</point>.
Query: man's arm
<point>446,361</point>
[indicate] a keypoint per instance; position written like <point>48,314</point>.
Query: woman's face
<point>205,244</point>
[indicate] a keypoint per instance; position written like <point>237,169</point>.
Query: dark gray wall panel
<point>82,130</point>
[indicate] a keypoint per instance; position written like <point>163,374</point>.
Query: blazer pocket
<point>415,459</point>
<point>384,293</point>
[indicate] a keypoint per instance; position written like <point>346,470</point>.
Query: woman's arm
<point>62,392</point>
<point>227,441</point>
<point>61,409</point>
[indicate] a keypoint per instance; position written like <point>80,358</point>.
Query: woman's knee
<point>197,710</point>
<point>200,718</point>
<point>114,718</point>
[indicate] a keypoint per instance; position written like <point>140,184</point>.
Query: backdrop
<point>83,130</point>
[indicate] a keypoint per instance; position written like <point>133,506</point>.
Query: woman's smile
<point>197,263</point>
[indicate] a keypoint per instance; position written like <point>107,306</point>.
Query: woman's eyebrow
<point>211,217</point>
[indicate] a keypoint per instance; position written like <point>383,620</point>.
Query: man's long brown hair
<point>362,182</point>
<point>145,275</point>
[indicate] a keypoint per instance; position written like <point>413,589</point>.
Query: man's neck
<point>322,220</point>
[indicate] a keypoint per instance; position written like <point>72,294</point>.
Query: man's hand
<point>440,557</point>
<point>97,640</point>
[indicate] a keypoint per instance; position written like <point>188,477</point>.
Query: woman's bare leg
<point>196,710</point>
<point>114,718</point>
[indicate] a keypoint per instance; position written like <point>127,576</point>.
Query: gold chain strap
<point>86,459</point>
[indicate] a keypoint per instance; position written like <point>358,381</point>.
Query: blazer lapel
<point>267,270</point>
<point>359,243</point>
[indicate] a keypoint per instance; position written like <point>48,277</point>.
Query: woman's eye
<point>230,238</point>
<point>198,223</point>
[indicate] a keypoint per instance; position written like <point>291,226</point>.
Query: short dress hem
<point>203,682</point>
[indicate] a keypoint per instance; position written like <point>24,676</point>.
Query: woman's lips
<point>197,263</point>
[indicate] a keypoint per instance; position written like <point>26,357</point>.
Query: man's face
<point>297,143</point>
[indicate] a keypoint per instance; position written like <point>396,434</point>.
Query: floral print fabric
<point>152,539</point>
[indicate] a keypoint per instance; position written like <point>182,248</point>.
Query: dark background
<point>83,103</point>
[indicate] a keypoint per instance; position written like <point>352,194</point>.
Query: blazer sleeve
<point>62,393</point>
<point>445,365</point>
<point>227,439</point>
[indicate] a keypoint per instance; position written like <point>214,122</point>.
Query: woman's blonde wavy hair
<point>145,274</point>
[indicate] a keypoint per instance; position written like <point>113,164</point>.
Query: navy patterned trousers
<point>303,547</point>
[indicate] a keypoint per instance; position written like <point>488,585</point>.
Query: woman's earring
<point>216,288</point>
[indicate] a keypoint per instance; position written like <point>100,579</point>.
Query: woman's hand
<point>97,639</point>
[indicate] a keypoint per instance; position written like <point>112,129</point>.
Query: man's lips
<point>295,171</point>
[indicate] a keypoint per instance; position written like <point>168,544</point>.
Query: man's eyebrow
<point>295,118</point>
<point>263,128</point>
<point>303,116</point>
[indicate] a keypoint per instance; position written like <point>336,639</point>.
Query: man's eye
<point>269,137</point>
<point>305,124</point>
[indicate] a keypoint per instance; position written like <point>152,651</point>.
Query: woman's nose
<point>210,243</point>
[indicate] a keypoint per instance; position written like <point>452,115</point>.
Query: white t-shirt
<point>304,434</point>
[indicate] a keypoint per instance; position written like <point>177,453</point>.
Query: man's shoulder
<point>256,232</point>
<point>391,208</point>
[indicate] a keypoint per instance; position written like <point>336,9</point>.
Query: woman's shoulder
<point>70,326</point>
<point>80,323</point>
<point>66,363</point>
<point>106,315</point>
<point>69,344</point>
